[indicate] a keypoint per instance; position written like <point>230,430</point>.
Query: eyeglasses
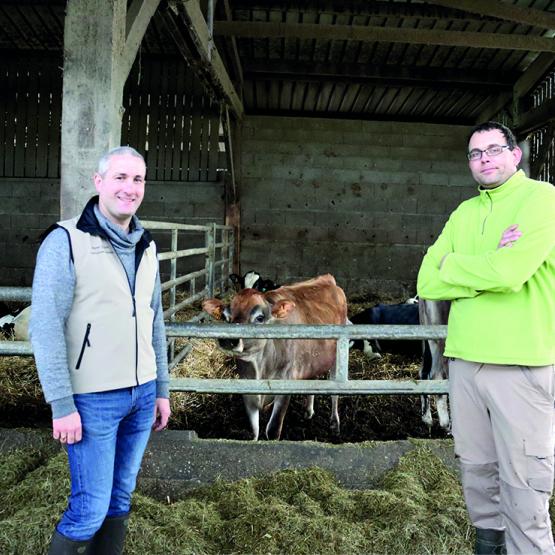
<point>493,150</point>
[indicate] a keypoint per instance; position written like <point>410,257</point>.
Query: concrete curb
<point>177,461</point>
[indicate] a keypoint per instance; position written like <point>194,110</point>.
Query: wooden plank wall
<point>542,141</point>
<point>171,120</point>
<point>30,117</point>
<point>167,117</point>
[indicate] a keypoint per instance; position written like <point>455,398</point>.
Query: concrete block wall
<point>29,206</point>
<point>359,199</point>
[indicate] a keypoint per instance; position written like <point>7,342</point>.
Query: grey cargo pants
<point>503,425</point>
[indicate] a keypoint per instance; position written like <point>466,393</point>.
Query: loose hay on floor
<point>418,509</point>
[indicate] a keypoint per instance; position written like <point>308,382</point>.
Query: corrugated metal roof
<point>389,59</point>
<point>378,79</point>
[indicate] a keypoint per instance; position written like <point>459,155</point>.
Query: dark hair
<point>489,126</point>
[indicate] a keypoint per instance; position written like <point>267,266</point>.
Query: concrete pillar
<point>94,76</point>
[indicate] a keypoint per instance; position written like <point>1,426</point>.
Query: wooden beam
<point>232,133</point>
<point>537,117</point>
<point>404,118</point>
<point>492,109</point>
<point>312,31</point>
<point>139,15</point>
<point>410,76</point>
<point>232,46</point>
<point>494,8</point>
<point>533,74</point>
<point>191,14</point>
<point>357,7</point>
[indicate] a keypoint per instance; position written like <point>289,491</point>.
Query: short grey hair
<point>118,150</point>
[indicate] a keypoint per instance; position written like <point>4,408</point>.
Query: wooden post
<point>232,132</point>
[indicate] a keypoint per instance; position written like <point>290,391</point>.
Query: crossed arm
<point>431,280</point>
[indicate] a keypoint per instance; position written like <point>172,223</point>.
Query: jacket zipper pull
<point>134,308</point>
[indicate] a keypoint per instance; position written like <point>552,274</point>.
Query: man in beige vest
<point>98,335</point>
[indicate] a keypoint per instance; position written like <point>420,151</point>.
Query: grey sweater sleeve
<point>159,342</point>
<point>52,297</point>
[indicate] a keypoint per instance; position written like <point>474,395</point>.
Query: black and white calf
<point>252,280</point>
<point>16,325</point>
<point>436,367</point>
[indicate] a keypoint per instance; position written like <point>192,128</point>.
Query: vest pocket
<point>86,343</point>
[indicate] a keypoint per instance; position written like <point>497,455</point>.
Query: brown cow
<point>317,301</point>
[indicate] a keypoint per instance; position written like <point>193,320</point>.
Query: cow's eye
<point>259,318</point>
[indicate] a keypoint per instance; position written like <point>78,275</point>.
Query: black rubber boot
<point>110,537</point>
<point>60,545</point>
<point>490,542</point>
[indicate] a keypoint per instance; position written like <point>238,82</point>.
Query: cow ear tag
<point>282,309</point>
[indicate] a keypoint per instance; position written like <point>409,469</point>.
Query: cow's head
<point>249,306</point>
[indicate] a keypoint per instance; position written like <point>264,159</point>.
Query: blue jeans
<point>105,463</point>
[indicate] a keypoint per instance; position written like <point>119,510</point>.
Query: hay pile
<point>21,399</point>
<point>418,509</point>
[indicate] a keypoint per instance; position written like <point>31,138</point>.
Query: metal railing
<point>338,384</point>
<point>218,239</point>
<point>218,261</point>
<point>22,294</point>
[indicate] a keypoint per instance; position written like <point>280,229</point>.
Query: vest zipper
<point>136,339</point>
<point>86,343</point>
<point>134,315</point>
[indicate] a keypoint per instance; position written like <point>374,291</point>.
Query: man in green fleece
<point>495,260</point>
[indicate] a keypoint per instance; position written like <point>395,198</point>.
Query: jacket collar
<point>88,223</point>
<point>505,189</point>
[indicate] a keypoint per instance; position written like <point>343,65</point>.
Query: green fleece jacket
<point>503,309</point>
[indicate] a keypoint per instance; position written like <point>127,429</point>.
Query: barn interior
<point>330,134</point>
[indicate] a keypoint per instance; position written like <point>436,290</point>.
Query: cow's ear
<point>282,309</point>
<point>235,278</point>
<point>214,307</point>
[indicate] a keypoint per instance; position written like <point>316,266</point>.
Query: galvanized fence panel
<point>22,294</point>
<point>340,383</point>
<point>218,260</point>
<point>213,271</point>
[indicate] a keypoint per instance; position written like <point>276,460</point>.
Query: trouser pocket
<point>539,465</point>
<point>541,378</point>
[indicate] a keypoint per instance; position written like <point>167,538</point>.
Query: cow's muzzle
<point>230,344</point>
